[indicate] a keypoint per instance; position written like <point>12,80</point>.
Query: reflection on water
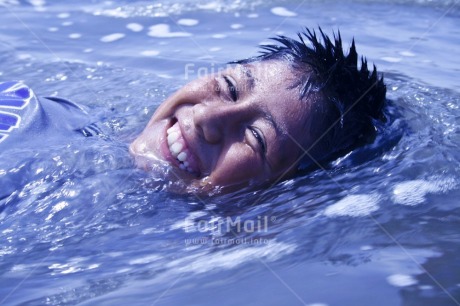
<point>82,225</point>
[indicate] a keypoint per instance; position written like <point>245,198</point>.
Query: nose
<point>214,121</point>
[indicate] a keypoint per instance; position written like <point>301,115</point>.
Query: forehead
<point>275,89</point>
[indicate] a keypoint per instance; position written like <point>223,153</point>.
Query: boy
<point>298,104</point>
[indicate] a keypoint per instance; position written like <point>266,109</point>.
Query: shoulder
<point>24,118</point>
<point>17,104</point>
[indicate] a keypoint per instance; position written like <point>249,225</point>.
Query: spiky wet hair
<point>354,96</point>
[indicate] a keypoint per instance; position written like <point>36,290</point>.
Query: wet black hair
<point>354,96</point>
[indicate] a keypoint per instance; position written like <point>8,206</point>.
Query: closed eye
<point>231,88</point>
<point>260,139</point>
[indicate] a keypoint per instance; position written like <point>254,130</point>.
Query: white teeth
<point>176,148</point>
<point>182,156</point>
<point>172,137</point>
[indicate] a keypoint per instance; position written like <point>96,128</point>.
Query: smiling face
<point>245,124</point>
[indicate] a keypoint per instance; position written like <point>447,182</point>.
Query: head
<point>300,102</point>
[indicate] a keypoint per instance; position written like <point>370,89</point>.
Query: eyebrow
<point>250,81</point>
<point>249,78</point>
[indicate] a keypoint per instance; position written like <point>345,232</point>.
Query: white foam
<point>407,53</point>
<point>144,260</point>
<point>112,37</point>
<point>228,259</point>
<point>236,26</point>
<point>391,59</point>
<point>357,205</point>
<point>56,208</point>
<point>425,287</point>
<point>187,22</point>
<point>187,225</point>
<point>215,49</point>
<point>401,280</point>
<point>219,36</point>
<point>253,15</point>
<point>150,52</point>
<point>76,264</point>
<point>75,35</point>
<point>282,11</point>
<point>37,2</point>
<point>24,56</point>
<point>135,27</point>
<point>63,15</point>
<point>116,12</point>
<point>265,42</point>
<point>162,30</point>
<point>414,192</point>
<point>53,29</point>
<point>213,6</point>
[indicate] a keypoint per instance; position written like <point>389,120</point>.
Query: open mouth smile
<point>179,149</point>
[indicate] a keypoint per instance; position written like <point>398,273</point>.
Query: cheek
<point>239,164</point>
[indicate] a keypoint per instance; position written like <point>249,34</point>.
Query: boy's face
<point>230,128</point>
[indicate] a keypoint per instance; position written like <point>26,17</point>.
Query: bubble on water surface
<point>391,59</point>
<point>163,30</point>
<point>219,36</point>
<point>150,52</point>
<point>401,280</point>
<point>282,11</point>
<point>135,27</point>
<point>187,22</point>
<point>414,192</point>
<point>75,36</point>
<point>236,26</point>
<point>407,53</point>
<point>37,3</point>
<point>357,205</point>
<point>227,259</point>
<point>63,15</point>
<point>112,37</point>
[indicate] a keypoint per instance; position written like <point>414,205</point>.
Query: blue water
<point>85,227</point>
